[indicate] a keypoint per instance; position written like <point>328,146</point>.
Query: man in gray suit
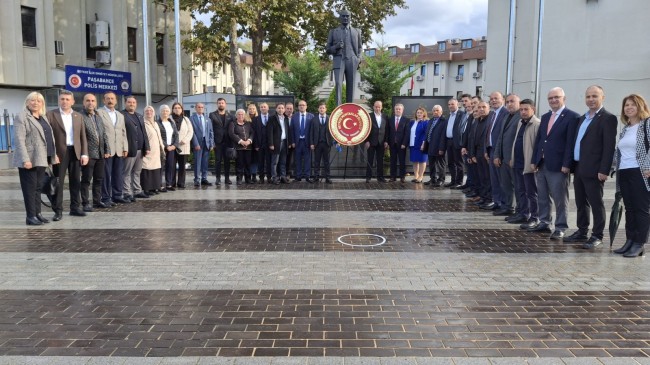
<point>344,44</point>
<point>98,150</point>
<point>119,146</point>
<point>502,157</point>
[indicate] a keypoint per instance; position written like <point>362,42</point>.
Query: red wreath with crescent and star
<point>349,124</point>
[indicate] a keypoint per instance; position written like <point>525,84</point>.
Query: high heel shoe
<point>636,250</point>
<point>625,248</point>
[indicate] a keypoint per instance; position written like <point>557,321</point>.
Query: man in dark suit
<point>278,140</point>
<point>398,139</point>
<point>291,163</point>
<point>301,125</point>
<point>552,159</point>
<point>593,152</point>
<point>502,157</point>
<point>260,143</point>
<point>72,149</point>
<point>453,137</point>
<point>98,150</point>
<point>494,126</point>
<point>377,142</point>
<point>321,144</point>
<point>138,142</point>
<point>478,145</point>
<point>202,143</point>
<point>221,119</point>
<point>467,142</point>
<point>436,146</point>
<point>344,44</point>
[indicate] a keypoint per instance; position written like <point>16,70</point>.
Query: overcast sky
<point>429,21</point>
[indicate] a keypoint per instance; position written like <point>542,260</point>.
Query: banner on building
<point>97,80</point>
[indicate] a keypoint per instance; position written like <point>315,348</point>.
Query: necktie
<point>550,123</point>
<point>396,122</point>
<point>264,120</point>
<point>490,126</point>
<point>302,125</point>
<point>322,120</point>
<point>433,125</point>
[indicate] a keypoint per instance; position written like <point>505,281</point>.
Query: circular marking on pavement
<point>383,240</point>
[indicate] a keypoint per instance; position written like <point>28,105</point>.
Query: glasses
<point>554,97</point>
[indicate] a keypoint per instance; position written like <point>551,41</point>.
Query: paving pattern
<point>257,274</point>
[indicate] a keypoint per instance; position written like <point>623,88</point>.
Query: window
<point>421,92</point>
<point>467,43</point>
<point>409,92</point>
<point>423,70</point>
<point>442,46</point>
<point>370,52</point>
<point>90,52</point>
<point>436,68</point>
<point>131,38</point>
<point>28,19</point>
<point>479,66</point>
<point>411,68</point>
<point>392,50</point>
<point>415,48</point>
<point>435,91</point>
<point>160,48</point>
<point>461,70</point>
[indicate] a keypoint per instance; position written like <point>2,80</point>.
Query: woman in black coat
<point>241,133</point>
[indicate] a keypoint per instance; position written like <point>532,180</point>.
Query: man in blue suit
<point>300,127</point>
<point>552,159</point>
<point>494,126</point>
<point>202,144</point>
<point>436,144</point>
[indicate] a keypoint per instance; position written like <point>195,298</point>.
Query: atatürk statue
<point>344,44</point>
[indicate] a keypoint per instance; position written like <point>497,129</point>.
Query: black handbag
<point>231,153</point>
<point>49,185</point>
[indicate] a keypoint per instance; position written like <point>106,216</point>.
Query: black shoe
<point>456,187</point>
<point>328,181</point>
<point>276,182</point>
<point>463,187</point>
<point>254,179</point>
<point>427,182</point>
<point>557,235</point>
<point>530,224</point>
<point>541,227</point>
<point>436,184</point>
<point>180,186</point>
<point>503,211</point>
<point>40,217</point>
<point>132,199</point>
<point>124,200</point>
<point>577,236</point>
<point>309,180</point>
<point>33,221</point>
<point>197,184</point>
<point>217,183</point>
<point>78,213</point>
<point>228,182</point>
<point>206,183</point>
<point>636,250</point>
<point>592,242</point>
<point>381,180</point>
<point>87,208</point>
<point>487,206</point>
<point>297,179</point>
<point>101,205</point>
<point>480,202</point>
<point>449,185</point>
<point>392,179</point>
<point>162,190</point>
<point>516,219</point>
<point>402,180</point>
<point>171,188</point>
<point>142,195</point>
<point>57,217</point>
<point>626,247</point>
<point>467,190</point>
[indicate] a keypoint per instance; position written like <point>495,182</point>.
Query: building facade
<point>583,42</point>
<point>212,78</point>
<point>43,36</point>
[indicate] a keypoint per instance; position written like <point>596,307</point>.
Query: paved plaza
<point>300,274</point>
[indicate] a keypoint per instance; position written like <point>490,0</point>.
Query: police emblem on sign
<point>349,124</point>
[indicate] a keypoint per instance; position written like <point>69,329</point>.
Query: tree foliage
<point>331,100</point>
<point>384,77</point>
<point>275,28</point>
<point>302,78</point>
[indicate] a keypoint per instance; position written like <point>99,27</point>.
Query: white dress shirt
<point>67,123</point>
<point>113,115</point>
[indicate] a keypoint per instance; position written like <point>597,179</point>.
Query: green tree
<point>331,100</point>
<point>275,28</point>
<point>303,76</point>
<point>384,76</point>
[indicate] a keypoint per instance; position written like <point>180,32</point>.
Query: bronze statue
<point>344,44</point>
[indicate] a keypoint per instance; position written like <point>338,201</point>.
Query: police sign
<point>97,80</point>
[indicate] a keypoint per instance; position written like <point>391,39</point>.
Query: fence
<point>6,131</point>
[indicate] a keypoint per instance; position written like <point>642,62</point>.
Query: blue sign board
<point>97,80</point>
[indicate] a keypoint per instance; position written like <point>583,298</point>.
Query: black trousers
<point>264,162</point>
<point>483,184</point>
<point>589,201</point>
<point>94,170</point>
<point>437,167</point>
<point>220,157</point>
<point>376,158</point>
<point>322,158</point>
<point>170,168</point>
<point>71,165</point>
<point>179,178</point>
<point>454,163</point>
<point>30,184</point>
<point>113,178</point>
<point>397,155</point>
<point>243,164</point>
<point>636,198</point>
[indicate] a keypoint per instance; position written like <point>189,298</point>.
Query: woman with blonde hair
<point>33,151</point>
<point>632,161</point>
<point>152,161</point>
<point>418,130</point>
